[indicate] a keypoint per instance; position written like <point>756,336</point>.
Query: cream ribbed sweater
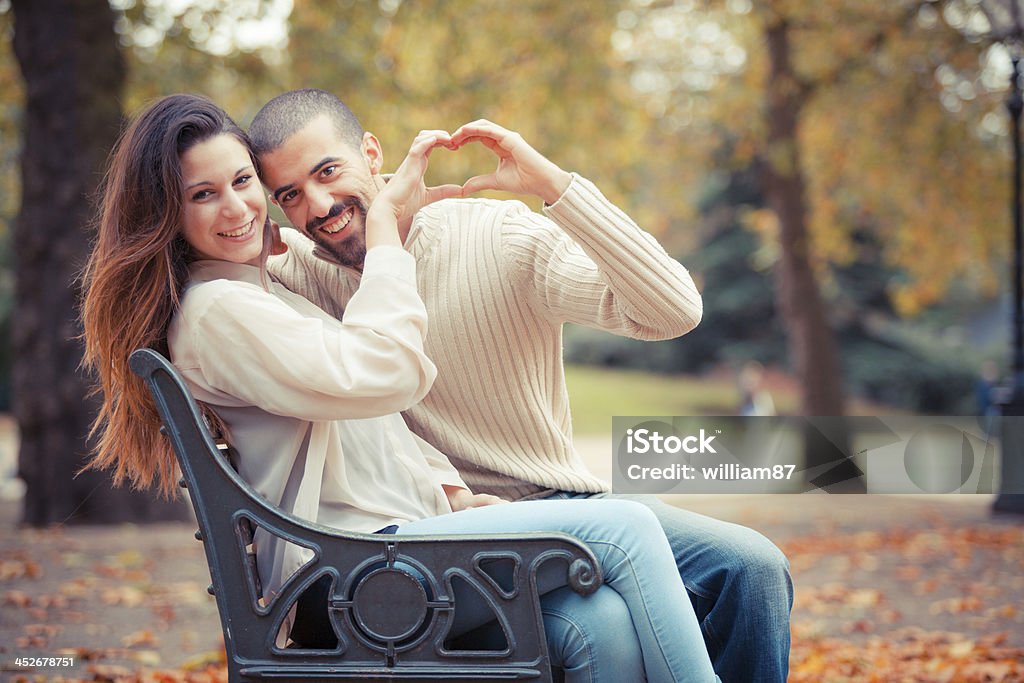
<point>499,281</point>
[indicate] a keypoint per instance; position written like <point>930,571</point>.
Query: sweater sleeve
<point>255,347</point>
<point>588,263</point>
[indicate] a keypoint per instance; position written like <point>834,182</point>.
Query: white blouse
<point>312,403</point>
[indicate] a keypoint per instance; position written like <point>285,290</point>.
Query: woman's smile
<point>241,233</point>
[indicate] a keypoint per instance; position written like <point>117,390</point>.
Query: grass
<point>596,394</point>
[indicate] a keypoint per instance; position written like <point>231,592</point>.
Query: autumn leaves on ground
<point>926,604</point>
<point>887,589</point>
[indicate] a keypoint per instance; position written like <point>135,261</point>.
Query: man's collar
<point>324,255</point>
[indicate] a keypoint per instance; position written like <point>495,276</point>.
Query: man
<point>499,281</point>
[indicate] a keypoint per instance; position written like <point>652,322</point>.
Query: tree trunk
<point>73,71</point>
<point>811,341</point>
<point>812,345</point>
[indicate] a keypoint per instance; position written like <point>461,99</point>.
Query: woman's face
<point>223,202</point>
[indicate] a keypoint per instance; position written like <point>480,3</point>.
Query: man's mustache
<point>315,223</point>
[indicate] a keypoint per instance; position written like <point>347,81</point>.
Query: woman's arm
<point>280,353</point>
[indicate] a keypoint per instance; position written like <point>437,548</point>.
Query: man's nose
<point>320,202</point>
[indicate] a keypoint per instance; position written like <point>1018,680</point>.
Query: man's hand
<point>521,168</point>
<point>406,192</point>
<point>463,499</point>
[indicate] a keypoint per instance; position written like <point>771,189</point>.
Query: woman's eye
<point>243,180</point>
<point>202,194</point>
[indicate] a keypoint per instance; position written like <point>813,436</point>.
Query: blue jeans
<point>588,636</point>
<point>739,584</point>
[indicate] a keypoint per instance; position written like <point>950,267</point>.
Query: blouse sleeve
<point>255,347</point>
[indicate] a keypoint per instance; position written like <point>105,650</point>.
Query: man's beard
<point>350,251</point>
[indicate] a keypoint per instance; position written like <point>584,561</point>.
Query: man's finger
<point>489,143</point>
<point>480,126</point>
<point>430,139</point>
<point>480,182</point>
<point>479,130</point>
<point>436,194</point>
<point>436,134</point>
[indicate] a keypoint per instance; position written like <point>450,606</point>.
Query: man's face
<point>324,185</point>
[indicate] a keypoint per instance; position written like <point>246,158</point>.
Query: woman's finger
<point>277,245</point>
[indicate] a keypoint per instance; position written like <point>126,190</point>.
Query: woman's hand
<point>277,245</point>
<point>463,499</point>
<point>406,193</point>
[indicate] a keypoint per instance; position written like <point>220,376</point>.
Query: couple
<point>310,401</point>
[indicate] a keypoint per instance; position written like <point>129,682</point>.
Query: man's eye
<point>328,171</point>
<point>288,196</point>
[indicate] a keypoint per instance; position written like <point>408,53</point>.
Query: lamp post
<point>1005,18</point>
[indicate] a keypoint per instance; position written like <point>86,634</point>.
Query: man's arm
<point>590,263</point>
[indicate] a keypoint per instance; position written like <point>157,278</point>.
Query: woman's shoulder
<point>228,296</point>
<point>199,292</point>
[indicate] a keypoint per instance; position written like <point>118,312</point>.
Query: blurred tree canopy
<point>856,116</point>
<point>862,130</point>
<point>900,121</point>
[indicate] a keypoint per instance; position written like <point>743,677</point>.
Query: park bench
<point>398,604</point>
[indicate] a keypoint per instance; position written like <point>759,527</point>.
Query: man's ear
<point>273,200</point>
<point>372,152</point>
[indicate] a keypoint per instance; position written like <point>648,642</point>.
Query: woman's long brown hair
<point>134,280</point>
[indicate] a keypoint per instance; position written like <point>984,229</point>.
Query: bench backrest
<point>396,602</point>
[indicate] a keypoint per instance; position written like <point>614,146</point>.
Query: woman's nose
<point>233,205</point>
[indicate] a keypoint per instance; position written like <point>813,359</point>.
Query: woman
<point>310,403</point>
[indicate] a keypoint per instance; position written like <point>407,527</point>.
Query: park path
<point>881,581</point>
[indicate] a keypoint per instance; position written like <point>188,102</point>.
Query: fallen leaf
<point>144,637</point>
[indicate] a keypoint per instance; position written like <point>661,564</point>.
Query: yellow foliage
<point>890,102</point>
<point>888,136</point>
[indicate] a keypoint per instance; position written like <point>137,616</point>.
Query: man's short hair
<point>286,114</point>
